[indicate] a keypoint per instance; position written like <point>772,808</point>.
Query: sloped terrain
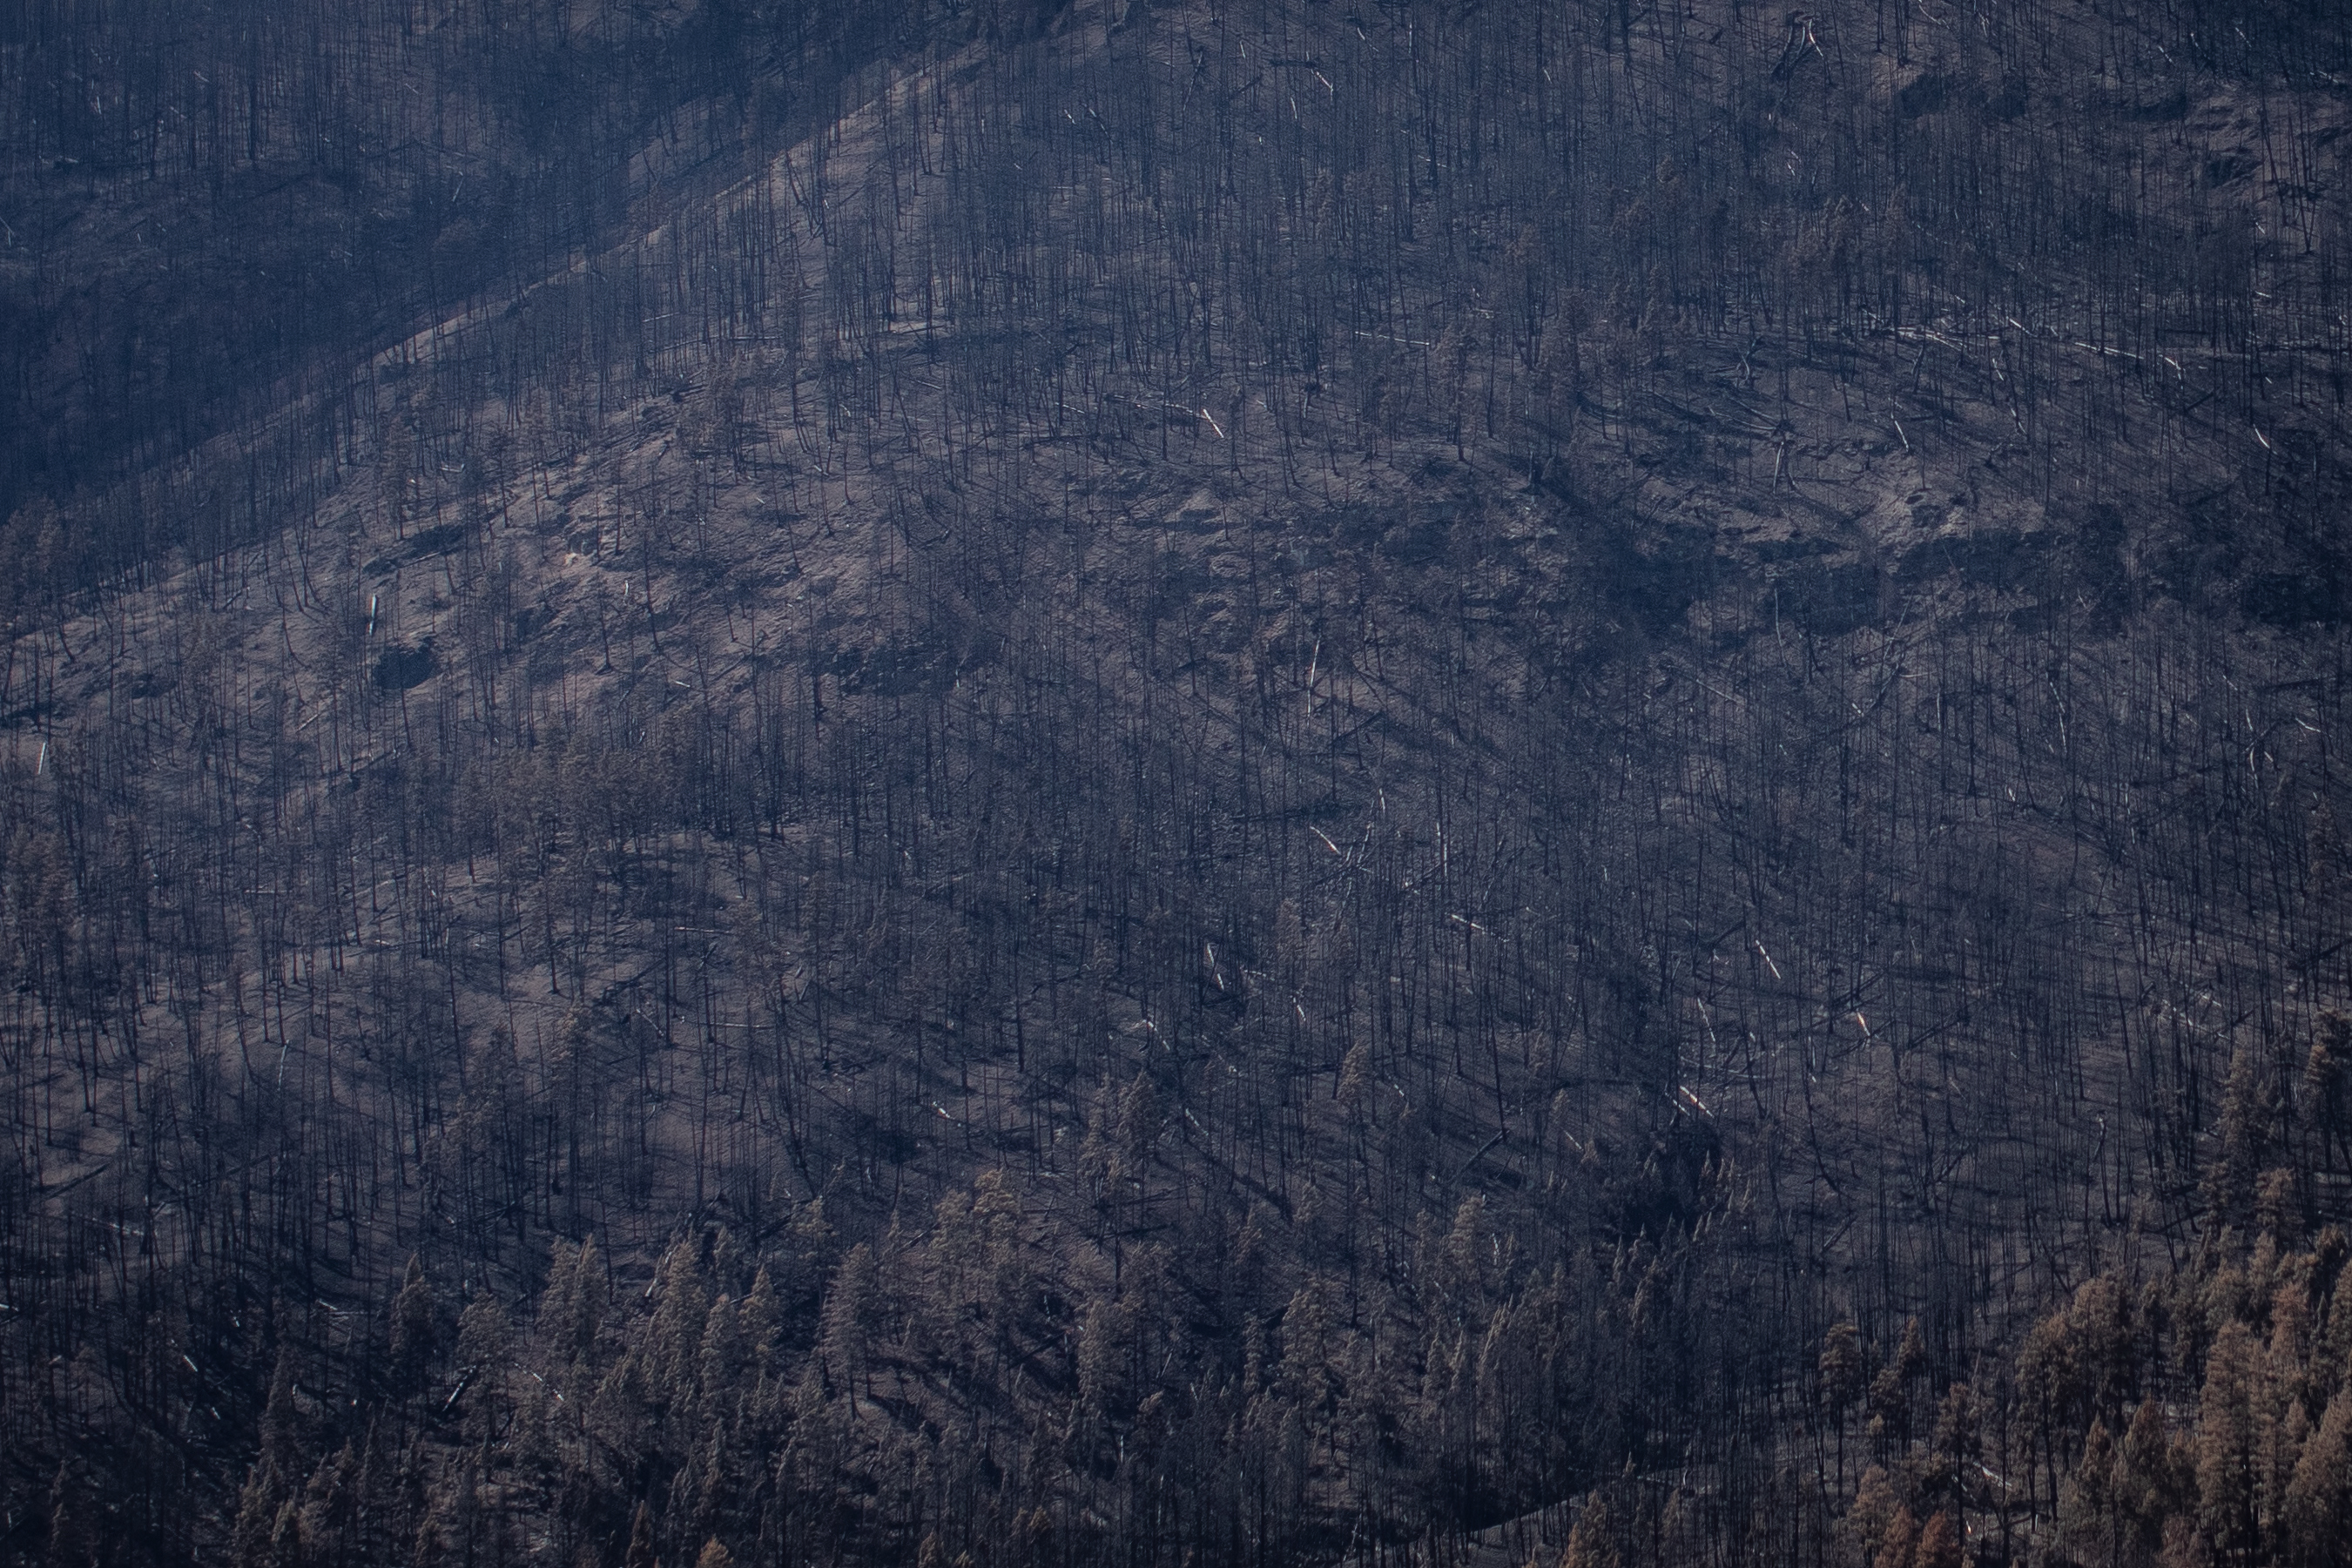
<point>1255,786</point>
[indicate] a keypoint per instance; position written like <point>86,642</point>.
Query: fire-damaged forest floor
<point>1284,785</point>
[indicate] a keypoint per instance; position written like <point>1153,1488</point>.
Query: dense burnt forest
<point>1017,785</point>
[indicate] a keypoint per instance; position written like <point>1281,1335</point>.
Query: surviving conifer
<point>1592,1540</point>
<point>2317,1513</point>
<point>1939,1543</point>
<point>2226,1455</point>
<point>640,1552</point>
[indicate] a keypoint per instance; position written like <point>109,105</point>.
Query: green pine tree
<point>2087,1506</point>
<point>1899,1547</point>
<point>2227,1452</point>
<point>1940,1545</point>
<point>2316,1513</point>
<point>640,1552</point>
<point>1593,1539</point>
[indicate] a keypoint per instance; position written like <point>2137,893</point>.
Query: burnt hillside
<point>1130,782</point>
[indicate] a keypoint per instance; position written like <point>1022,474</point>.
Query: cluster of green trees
<point>955,1396</point>
<point>2177,1411</point>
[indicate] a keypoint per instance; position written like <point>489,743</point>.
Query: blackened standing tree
<point>415,1330</point>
